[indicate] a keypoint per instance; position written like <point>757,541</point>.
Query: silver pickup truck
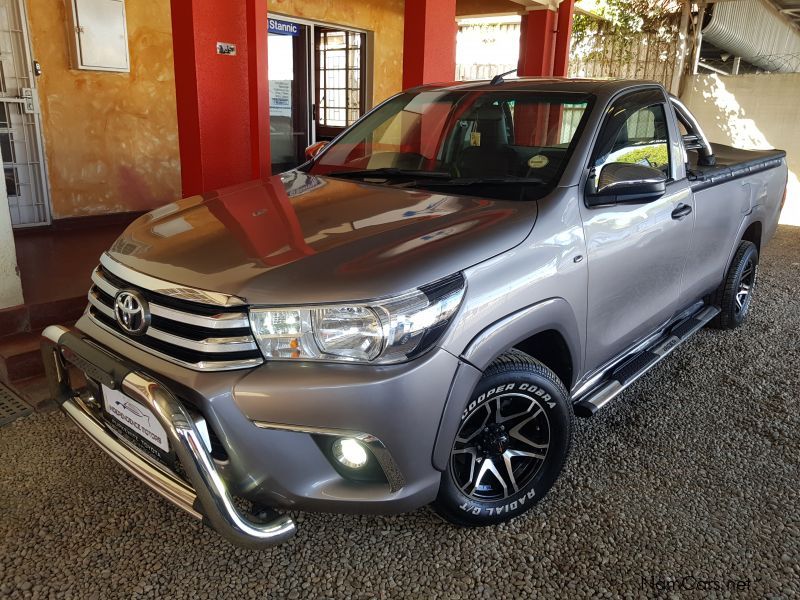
<point>416,315</point>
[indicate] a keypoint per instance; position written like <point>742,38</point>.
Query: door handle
<point>681,211</point>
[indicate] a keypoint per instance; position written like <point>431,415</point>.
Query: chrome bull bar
<point>207,498</point>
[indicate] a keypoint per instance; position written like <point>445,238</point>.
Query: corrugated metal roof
<point>789,8</point>
<point>756,31</point>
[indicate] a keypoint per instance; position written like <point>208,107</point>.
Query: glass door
<point>289,101</point>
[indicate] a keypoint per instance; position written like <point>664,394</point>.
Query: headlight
<point>384,331</point>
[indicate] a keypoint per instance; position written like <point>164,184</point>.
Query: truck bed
<point>731,163</point>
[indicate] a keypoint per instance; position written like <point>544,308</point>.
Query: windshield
<point>475,142</point>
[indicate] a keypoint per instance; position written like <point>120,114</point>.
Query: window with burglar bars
<point>340,82</point>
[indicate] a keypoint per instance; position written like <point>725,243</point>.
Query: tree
<point>622,20</point>
<point>632,16</point>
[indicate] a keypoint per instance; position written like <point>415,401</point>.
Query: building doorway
<point>20,122</point>
<point>340,95</point>
<point>318,76</point>
<point>288,67</point>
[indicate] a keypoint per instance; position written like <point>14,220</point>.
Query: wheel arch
<point>753,234</point>
<point>749,231</point>
<point>530,330</point>
<point>550,348</point>
<point>548,331</point>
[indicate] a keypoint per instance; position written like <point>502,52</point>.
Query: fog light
<point>350,453</point>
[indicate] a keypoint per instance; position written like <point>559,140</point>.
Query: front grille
<point>197,335</point>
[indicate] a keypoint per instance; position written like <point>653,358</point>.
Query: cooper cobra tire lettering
<point>487,395</point>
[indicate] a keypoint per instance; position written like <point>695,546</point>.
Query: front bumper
<point>204,494</point>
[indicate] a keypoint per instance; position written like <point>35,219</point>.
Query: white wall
<point>10,284</point>
<point>753,112</point>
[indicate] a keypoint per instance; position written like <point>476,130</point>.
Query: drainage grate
<point>11,406</point>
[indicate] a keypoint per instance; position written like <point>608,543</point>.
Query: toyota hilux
<point>417,314</point>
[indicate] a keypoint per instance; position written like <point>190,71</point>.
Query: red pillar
<point>566,11</point>
<point>258,85</point>
<point>429,42</point>
<point>537,43</point>
<point>223,111</point>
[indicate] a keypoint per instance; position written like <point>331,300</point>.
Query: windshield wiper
<point>391,172</point>
<point>467,181</point>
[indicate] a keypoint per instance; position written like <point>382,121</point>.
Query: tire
<point>735,294</point>
<point>520,415</point>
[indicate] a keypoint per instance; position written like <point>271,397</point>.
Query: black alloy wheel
<point>512,443</point>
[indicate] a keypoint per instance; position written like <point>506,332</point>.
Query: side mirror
<point>315,149</point>
<point>627,183</point>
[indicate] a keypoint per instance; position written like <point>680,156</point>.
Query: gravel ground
<point>693,474</point>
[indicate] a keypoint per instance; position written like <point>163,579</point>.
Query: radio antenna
<point>498,79</point>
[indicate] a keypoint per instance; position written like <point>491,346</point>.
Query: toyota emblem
<point>132,312</point>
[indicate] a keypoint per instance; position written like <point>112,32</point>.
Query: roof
<point>543,84</point>
<point>790,9</point>
<point>756,32</point>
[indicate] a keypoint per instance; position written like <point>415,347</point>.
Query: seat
<point>492,157</point>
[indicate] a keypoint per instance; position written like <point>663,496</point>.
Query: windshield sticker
<point>538,162</point>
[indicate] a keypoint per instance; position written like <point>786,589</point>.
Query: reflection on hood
<point>298,231</point>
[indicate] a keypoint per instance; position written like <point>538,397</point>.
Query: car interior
<point>485,144</point>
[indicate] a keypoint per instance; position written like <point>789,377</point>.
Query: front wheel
<point>512,443</point>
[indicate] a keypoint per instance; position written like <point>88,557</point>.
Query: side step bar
<point>640,363</point>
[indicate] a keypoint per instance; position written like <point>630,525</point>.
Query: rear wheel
<point>512,443</point>
<point>735,294</point>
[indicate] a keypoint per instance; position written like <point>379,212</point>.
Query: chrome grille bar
<point>218,321</point>
<point>232,344</point>
<point>166,288</point>
<point>95,301</point>
<point>213,337</point>
<point>203,365</point>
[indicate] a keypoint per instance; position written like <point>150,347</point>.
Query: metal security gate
<point>20,122</point>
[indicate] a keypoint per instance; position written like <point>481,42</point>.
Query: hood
<point>299,238</point>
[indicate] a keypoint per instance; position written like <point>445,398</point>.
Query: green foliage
<point>622,20</point>
<point>631,16</point>
<point>655,156</point>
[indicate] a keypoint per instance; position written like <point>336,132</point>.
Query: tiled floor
<point>55,265</point>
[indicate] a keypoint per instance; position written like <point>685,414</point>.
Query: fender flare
<point>754,216</point>
<point>552,314</point>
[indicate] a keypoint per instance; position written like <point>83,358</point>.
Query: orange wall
<point>383,17</point>
<point>111,139</point>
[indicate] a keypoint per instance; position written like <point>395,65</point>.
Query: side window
<point>642,140</point>
<point>635,132</point>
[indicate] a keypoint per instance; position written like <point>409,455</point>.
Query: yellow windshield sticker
<point>538,162</point>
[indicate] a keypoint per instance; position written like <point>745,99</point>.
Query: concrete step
<point>14,320</point>
<point>20,358</point>
<point>67,310</point>
<point>35,317</point>
<point>36,393</point>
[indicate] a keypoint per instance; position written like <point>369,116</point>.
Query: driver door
<point>637,252</point>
